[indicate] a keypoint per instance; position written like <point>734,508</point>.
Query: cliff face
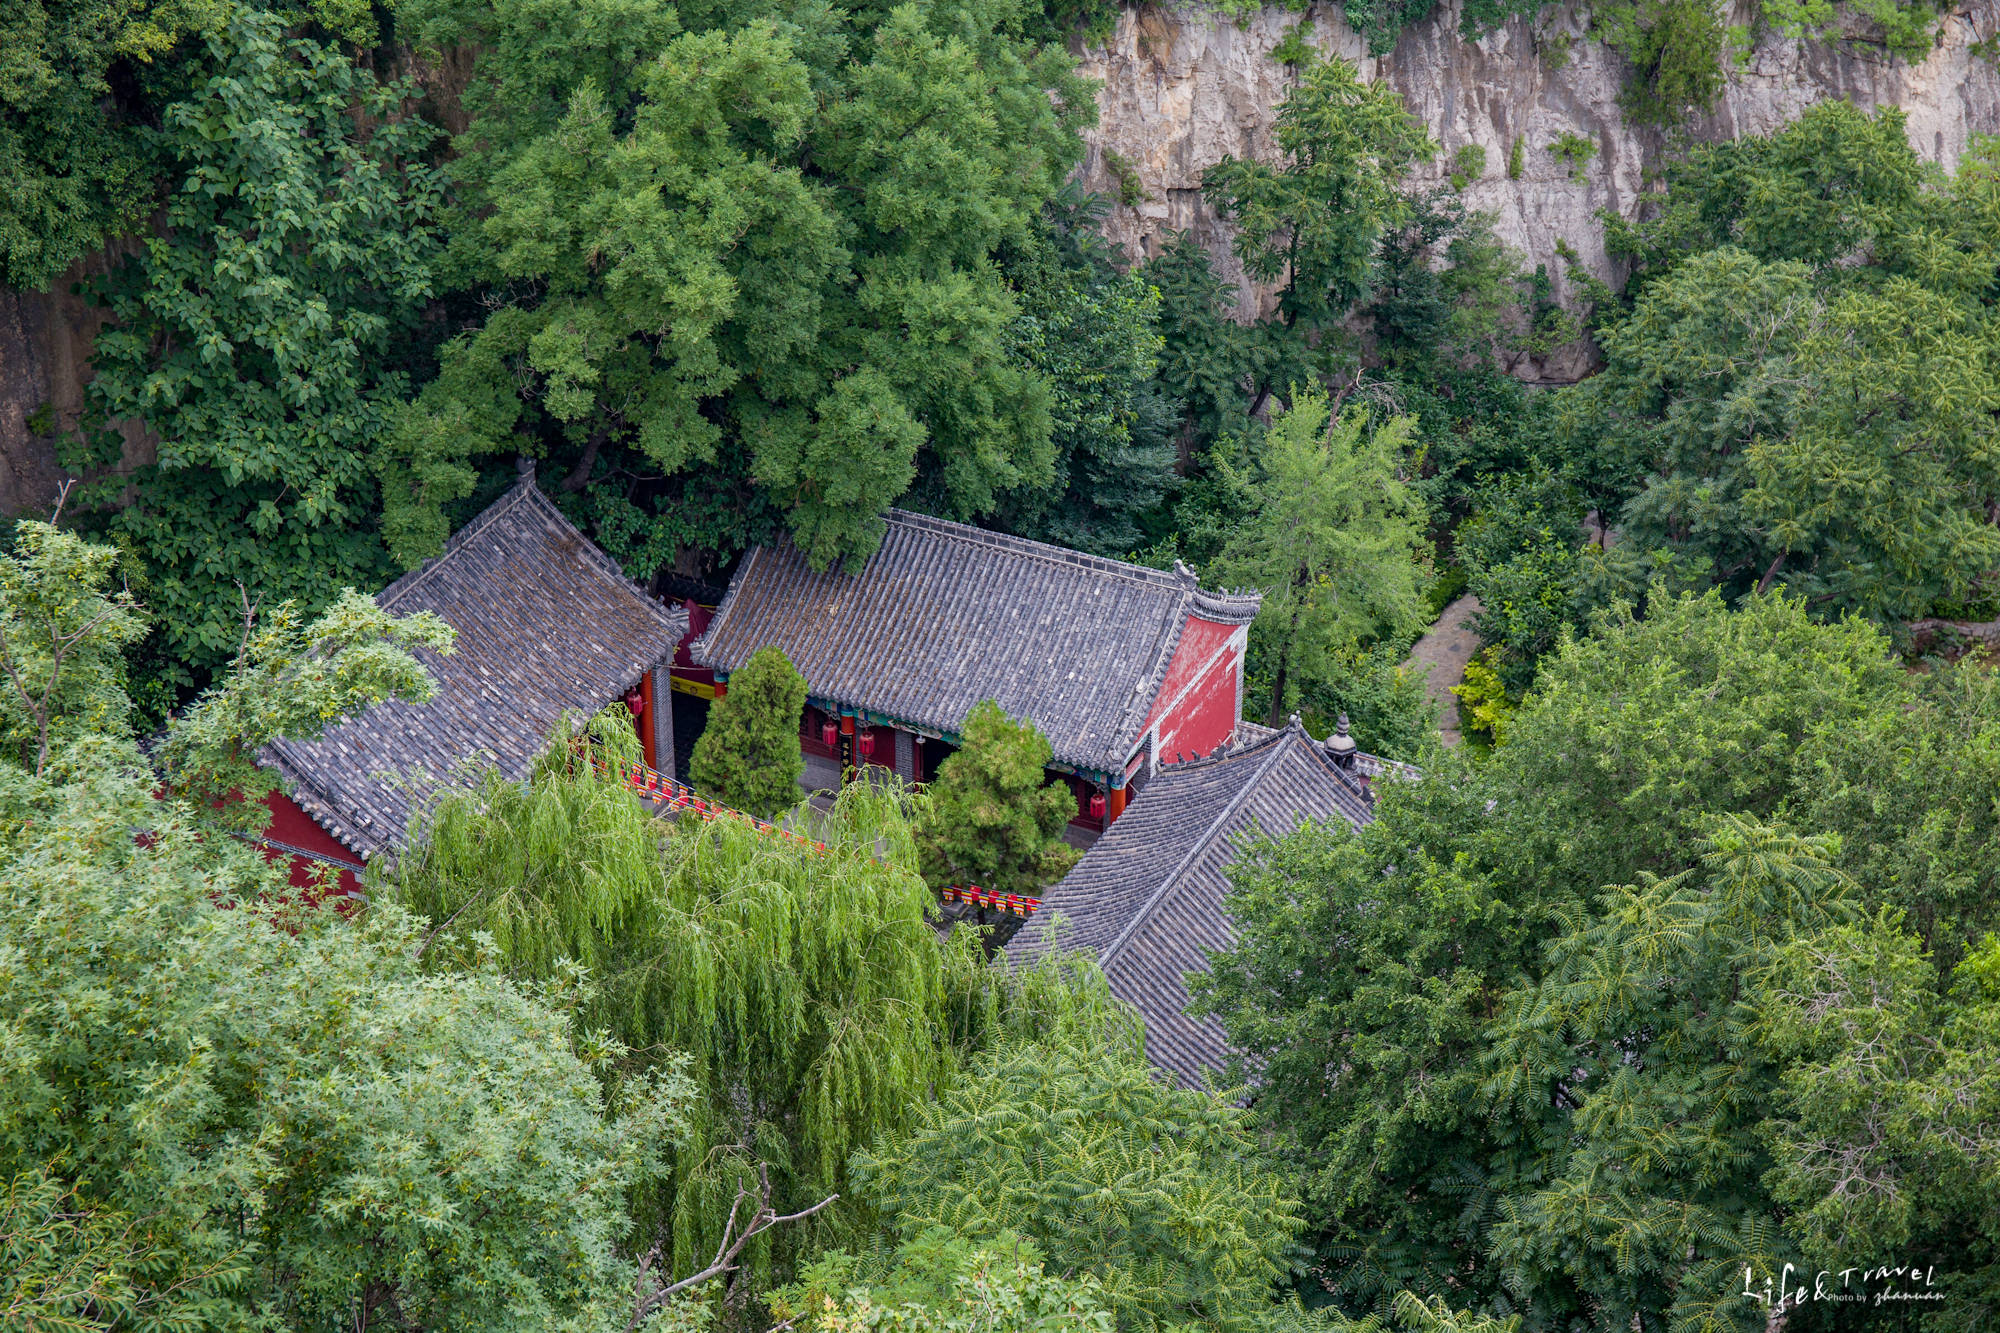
<point>1184,88</point>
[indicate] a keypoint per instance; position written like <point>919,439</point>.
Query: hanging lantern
<point>829,734</point>
<point>1097,805</point>
<point>864,744</point>
<point>635,701</point>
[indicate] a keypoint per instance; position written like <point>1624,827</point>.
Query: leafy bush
<point>993,818</point>
<point>748,755</point>
<point>1574,151</point>
<point>1468,164</point>
<point>1160,1194</point>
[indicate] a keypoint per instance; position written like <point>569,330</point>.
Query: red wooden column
<point>1117,804</point>
<point>645,721</point>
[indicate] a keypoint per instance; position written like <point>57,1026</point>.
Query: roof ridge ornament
<point>1340,746</point>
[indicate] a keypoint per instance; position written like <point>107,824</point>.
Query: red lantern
<point>864,744</point>
<point>1097,805</point>
<point>635,701</point>
<point>829,734</point>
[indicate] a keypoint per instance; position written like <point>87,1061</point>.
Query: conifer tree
<point>991,820</point>
<point>749,756</point>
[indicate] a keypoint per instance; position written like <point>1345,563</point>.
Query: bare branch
<point>62,498</point>
<point>733,1241</point>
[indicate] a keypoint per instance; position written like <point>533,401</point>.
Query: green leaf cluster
<point>748,756</point>
<point>992,818</point>
<point>1159,1194</point>
<point>814,1004</point>
<point>938,1282</point>
<point>223,1109</point>
<point>251,335</point>
<point>1803,390</point>
<point>1335,543</point>
<point>1503,1081</point>
<point>752,243</point>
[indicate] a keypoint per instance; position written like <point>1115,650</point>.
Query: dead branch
<point>649,1296</point>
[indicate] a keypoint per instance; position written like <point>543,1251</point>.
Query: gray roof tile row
<point>1147,899</point>
<point>547,625</point>
<point>945,616</point>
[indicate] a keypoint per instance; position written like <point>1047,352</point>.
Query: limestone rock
<point>1185,87</point>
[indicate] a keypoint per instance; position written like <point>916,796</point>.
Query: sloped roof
<point>547,624</point>
<point>944,616</point>
<point>1147,899</point>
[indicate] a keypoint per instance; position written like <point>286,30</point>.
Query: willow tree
<point>799,984</point>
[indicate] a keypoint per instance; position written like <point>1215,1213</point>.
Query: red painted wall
<point>290,824</point>
<point>1195,710</point>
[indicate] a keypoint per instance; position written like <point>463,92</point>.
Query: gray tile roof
<point>945,616</point>
<point>547,624</point>
<point>1148,898</point>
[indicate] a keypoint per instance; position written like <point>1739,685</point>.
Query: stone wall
<point>1183,88</point>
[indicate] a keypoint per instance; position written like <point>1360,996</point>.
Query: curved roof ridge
<point>1182,578</point>
<point>1197,846</point>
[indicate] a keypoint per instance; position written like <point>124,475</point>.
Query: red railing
<point>672,797</point>
<point>1011,903</point>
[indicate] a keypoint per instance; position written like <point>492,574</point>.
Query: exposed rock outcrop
<point>1183,88</point>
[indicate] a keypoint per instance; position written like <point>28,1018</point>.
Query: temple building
<point>1124,669</point>
<point>1147,898</point>
<point>547,625</point>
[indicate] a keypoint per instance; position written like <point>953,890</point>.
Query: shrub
<point>749,756</point>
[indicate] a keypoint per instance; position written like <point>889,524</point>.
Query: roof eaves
<point>698,649</point>
<point>1195,849</point>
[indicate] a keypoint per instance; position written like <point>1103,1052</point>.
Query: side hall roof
<point>1147,899</point>
<point>945,615</point>
<point>547,624</point>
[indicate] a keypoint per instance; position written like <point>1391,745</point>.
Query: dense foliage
<point>1602,1008</point>
<point>222,1109</point>
<point>253,335</point>
<point>1160,1194</point>
<point>1686,973</point>
<point>755,247</point>
<point>1335,543</point>
<point>992,817</point>
<point>747,756</point>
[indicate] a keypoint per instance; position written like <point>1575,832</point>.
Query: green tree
<point>940,1283</point>
<point>993,819</point>
<point>1335,543</point>
<point>748,756</point>
<point>61,635</point>
<point>827,327</point>
<point>81,86</point>
<point>257,1115</point>
<point>1881,1128</point>
<point>1206,357</point>
<point>1311,221</point>
<point>1843,444</point>
<point>1836,184</point>
<point>1637,1094</point>
<point>814,1000</point>
<point>1913,788</point>
<point>1159,1193</point>
<point>1091,333</point>
<point>252,335</point>
<point>1365,968</point>
<point>1636,734</point>
<point>1521,554</point>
